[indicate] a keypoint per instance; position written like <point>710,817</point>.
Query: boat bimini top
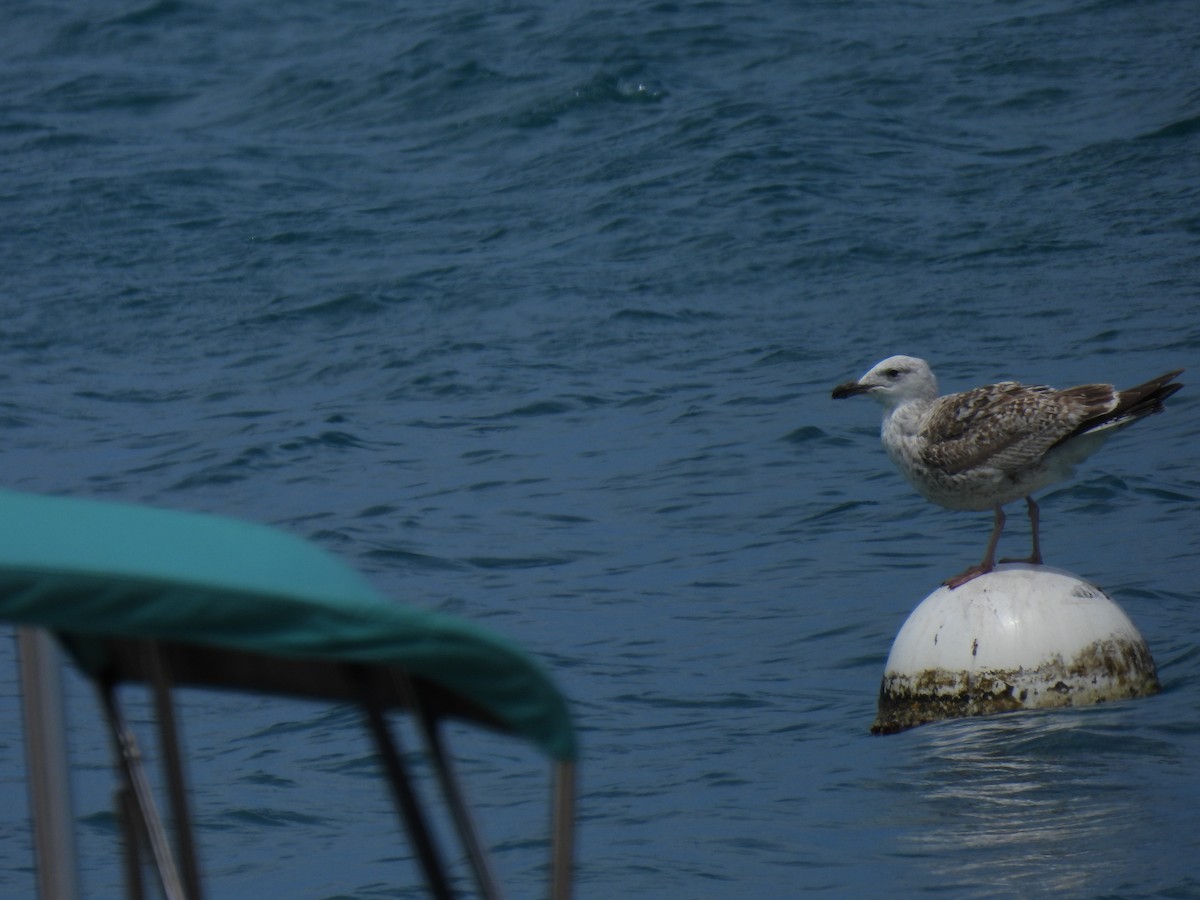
<point>179,599</point>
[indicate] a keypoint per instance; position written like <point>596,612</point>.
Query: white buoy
<point>1020,637</point>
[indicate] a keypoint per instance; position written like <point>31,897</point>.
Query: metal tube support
<point>563,841</point>
<point>459,811</point>
<point>131,828</point>
<point>168,731</point>
<point>406,800</point>
<point>47,765</point>
<point>129,758</point>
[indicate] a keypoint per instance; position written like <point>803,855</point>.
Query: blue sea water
<point>531,312</point>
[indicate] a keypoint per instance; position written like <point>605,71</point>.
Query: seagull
<point>986,447</point>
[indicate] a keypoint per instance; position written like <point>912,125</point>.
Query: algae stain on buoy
<point>1019,637</point>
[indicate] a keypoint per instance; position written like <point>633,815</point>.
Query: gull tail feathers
<point>1129,406</point>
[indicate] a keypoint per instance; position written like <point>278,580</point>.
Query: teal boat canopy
<point>247,606</point>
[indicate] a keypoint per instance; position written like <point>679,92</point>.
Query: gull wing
<point>1007,426</point>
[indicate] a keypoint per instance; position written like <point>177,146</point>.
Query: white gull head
<point>894,382</point>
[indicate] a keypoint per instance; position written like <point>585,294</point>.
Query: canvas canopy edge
<point>94,570</point>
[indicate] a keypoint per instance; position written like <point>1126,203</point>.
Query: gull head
<point>895,381</point>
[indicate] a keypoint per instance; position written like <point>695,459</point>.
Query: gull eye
<point>891,374</point>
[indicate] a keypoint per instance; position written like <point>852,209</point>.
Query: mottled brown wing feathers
<point>1007,426</point>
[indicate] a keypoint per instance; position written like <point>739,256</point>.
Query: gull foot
<point>968,575</point>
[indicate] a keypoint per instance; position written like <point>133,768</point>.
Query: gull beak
<point>850,389</point>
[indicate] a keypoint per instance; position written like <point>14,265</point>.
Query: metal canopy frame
<point>161,666</point>
<point>166,598</point>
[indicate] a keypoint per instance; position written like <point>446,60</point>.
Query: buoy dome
<point>1021,636</point>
